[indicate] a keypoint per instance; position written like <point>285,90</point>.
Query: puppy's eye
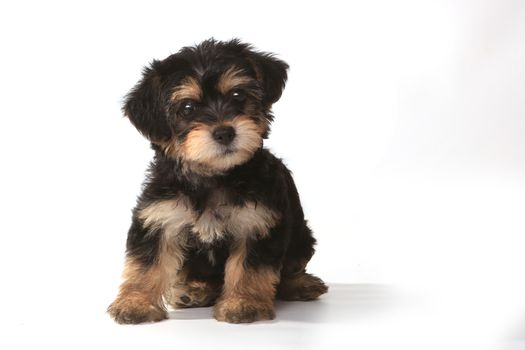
<point>238,95</point>
<point>187,108</point>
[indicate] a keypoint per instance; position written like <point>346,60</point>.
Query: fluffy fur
<point>219,221</point>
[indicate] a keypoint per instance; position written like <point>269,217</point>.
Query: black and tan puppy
<point>219,220</point>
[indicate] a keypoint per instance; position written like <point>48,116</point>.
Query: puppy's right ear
<point>272,72</point>
<point>144,105</point>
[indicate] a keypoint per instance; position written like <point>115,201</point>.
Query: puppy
<point>219,221</point>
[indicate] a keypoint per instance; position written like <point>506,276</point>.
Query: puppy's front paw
<point>133,310</point>
<point>236,310</point>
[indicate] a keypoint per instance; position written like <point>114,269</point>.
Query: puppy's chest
<point>217,218</point>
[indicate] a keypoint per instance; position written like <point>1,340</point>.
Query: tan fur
<point>170,214</point>
<point>234,269</point>
<point>140,295</point>
<point>302,286</point>
<point>248,293</point>
<point>239,310</point>
<point>177,287</point>
<point>174,215</point>
<point>199,146</point>
<point>188,89</point>
<point>150,280</point>
<point>184,292</point>
<point>241,221</point>
<point>203,155</point>
<point>231,78</point>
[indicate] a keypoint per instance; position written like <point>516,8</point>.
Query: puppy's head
<point>209,105</point>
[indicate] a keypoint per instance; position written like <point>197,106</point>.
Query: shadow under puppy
<point>219,220</point>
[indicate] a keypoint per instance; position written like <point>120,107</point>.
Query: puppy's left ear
<point>271,72</point>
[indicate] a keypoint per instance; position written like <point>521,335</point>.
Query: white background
<point>403,122</point>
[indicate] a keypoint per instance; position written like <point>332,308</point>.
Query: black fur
<point>262,179</point>
<point>147,105</point>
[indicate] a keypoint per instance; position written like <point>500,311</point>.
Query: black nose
<point>224,134</point>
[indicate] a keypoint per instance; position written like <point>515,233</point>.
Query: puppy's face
<point>208,106</point>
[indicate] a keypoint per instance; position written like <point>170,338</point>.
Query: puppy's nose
<point>224,134</point>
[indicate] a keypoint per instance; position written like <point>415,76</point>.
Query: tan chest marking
<point>240,221</point>
<point>172,215</point>
<point>218,219</point>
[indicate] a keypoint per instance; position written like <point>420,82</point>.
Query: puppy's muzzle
<point>224,135</point>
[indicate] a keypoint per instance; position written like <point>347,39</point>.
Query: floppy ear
<point>272,73</point>
<point>144,106</point>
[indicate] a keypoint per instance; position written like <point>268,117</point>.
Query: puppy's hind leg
<point>300,287</point>
<point>295,283</point>
<point>187,291</point>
